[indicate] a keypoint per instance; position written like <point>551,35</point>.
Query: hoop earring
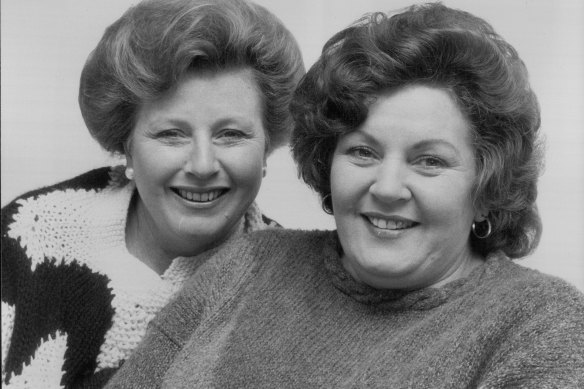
<point>326,208</point>
<point>486,234</point>
<point>129,172</point>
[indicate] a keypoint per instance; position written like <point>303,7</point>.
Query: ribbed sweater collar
<point>395,299</point>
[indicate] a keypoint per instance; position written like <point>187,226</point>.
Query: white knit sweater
<point>74,234</point>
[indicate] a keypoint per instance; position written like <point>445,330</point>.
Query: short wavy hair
<point>153,44</point>
<point>441,47</point>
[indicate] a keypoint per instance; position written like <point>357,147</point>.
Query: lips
<point>200,197</point>
<point>391,223</point>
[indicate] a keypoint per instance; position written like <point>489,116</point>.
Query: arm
<point>216,282</point>
<point>12,254</point>
<point>165,337</point>
<point>29,354</point>
<point>7,327</point>
<point>146,366</point>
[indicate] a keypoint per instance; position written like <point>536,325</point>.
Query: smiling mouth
<point>391,224</point>
<point>200,197</point>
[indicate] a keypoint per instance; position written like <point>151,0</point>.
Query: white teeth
<point>200,197</point>
<point>389,224</point>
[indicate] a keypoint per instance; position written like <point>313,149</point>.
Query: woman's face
<point>198,154</point>
<point>401,191</point>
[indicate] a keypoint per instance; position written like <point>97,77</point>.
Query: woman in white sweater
<point>195,95</point>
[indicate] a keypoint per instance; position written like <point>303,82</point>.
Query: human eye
<point>168,135</point>
<point>431,162</point>
<point>361,152</point>
<point>231,136</point>
<point>231,133</point>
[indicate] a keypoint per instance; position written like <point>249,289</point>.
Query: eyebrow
<point>241,120</point>
<point>225,121</point>
<point>427,143</point>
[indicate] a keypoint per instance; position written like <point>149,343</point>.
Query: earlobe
<point>481,214</point>
<point>129,172</point>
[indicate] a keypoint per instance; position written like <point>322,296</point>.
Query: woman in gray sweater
<point>420,132</point>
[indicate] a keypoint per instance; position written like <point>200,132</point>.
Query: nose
<point>202,161</point>
<point>390,182</point>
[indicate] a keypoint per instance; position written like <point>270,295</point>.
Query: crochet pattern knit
<point>278,310</point>
<point>75,302</point>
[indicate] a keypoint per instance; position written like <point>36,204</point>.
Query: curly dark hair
<point>441,47</point>
<point>153,44</point>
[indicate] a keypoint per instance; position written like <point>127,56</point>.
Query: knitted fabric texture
<point>75,302</point>
<point>277,310</point>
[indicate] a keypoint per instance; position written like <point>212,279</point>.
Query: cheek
<point>348,185</point>
<point>245,166</point>
<point>449,203</point>
<point>156,162</point>
<point>338,187</point>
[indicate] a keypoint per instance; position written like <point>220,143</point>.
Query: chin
<point>389,274</point>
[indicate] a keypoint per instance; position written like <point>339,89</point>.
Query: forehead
<point>235,90</point>
<point>417,112</point>
<point>233,83</point>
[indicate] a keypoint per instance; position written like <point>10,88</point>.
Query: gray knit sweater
<point>277,310</point>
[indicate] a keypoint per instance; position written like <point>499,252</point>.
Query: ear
<point>127,154</point>
<point>265,165</point>
<point>481,214</point>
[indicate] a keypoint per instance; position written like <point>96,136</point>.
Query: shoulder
<point>276,253</point>
<point>50,212</point>
<point>96,179</point>
<point>60,224</point>
<point>277,246</point>
<point>540,320</point>
<point>527,281</point>
<point>531,292</point>
<point>238,264</point>
<point>237,261</point>
<point>66,194</point>
<point>91,180</point>
<point>288,239</point>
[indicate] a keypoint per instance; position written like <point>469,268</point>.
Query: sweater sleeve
<point>36,343</point>
<point>217,282</point>
<point>14,272</point>
<point>547,349</point>
<point>146,366</point>
<point>33,350</point>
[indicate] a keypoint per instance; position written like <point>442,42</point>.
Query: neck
<point>420,278</point>
<point>157,250</point>
<point>141,241</point>
<point>466,266</point>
